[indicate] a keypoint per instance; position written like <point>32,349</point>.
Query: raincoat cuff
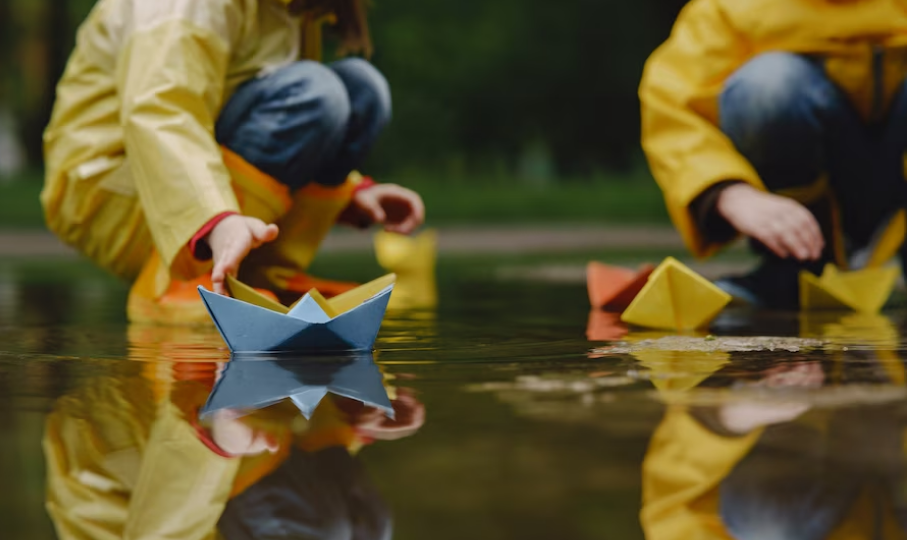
<point>198,246</point>
<point>715,229</point>
<point>206,439</point>
<point>364,184</point>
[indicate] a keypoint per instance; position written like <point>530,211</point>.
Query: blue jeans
<point>793,124</point>
<point>307,122</point>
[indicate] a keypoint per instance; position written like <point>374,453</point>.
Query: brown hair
<point>352,25</point>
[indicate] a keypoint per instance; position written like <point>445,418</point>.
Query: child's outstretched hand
<point>785,226</point>
<point>231,241</point>
<point>400,210</point>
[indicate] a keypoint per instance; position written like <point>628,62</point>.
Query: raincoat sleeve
<point>182,487</point>
<point>171,77</point>
<point>685,463</point>
<point>679,93</point>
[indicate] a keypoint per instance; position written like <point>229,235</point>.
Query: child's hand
<point>745,416</point>
<point>785,226</point>
<point>400,210</point>
<point>231,241</point>
<point>239,438</point>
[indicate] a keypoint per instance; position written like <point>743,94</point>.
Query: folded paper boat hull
<point>249,328</point>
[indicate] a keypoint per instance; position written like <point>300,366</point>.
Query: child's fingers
<point>262,233</point>
<point>796,245</point>
<point>408,214</point>
<point>217,278</point>
<point>407,226</point>
<point>809,232</point>
<point>809,245</point>
<point>372,207</point>
<point>417,214</point>
<point>773,243</point>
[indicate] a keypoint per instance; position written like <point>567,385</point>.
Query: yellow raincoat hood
<point>683,80</point>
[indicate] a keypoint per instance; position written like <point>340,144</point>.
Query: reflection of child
<point>184,130</point>
<point>356,424</point>
<point>129,455</point>
<point>783,121</point>
<point>754,469</point>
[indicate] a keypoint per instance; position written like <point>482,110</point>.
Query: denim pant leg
<point>370,112</point>
<point>307,122</point>
<point>793,124</point>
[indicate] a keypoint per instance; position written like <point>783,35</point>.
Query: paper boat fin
<point>350,300</point>
<point>312,308</point>
<point>244,293</point>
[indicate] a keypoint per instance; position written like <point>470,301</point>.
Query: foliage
<point>530,88</point>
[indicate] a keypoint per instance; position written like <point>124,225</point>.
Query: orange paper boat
<point>614,288</point>
<point>605,326</point>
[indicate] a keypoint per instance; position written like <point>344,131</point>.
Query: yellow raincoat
<point>132,164</point>
<point>863,42</point>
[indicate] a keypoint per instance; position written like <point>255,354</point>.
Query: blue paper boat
<point>247,385</point>
<point>250,322</point>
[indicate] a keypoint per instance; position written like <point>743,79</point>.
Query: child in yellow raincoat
<point>192,130</point>
<point>784,121</point>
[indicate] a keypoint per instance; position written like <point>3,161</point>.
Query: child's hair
<point>352,25</point>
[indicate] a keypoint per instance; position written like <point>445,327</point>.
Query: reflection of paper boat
<point>614,288</point>
<point>407,255</point>
<point>605,326</point>
<point>251,322</point>
<point>680,371</point>
<point>251,384</point>
<point>865,290</point>
<point>676,298</point>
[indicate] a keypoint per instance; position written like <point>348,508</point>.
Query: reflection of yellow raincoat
<point>122,463</point>
<point>864,43</point>
<point>682,473</point>
<point>132,163</point>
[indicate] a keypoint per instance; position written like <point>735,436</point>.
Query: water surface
<point>512,423</point>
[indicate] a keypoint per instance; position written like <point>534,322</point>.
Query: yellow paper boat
<point>865,291</point>
<point>676,298</point>
<point>407,255</point>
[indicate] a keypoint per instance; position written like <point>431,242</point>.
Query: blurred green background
<point>505,110</point>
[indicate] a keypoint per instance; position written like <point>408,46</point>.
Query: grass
<point>634,199</point>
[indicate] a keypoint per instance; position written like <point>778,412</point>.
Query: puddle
<point>497,408</point>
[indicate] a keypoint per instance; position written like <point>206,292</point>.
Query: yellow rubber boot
<point>180,303</point>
